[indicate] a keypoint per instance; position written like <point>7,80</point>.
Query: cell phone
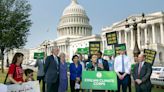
<point>100,61</point>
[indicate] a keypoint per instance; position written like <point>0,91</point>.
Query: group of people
<point>54,73</point>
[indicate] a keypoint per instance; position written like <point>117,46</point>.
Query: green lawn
<point>3,75</point>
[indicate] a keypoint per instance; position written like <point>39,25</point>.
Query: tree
<point>14,25</point>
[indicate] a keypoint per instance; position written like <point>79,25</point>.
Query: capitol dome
<point>74,8</point>
<point>74,22</point>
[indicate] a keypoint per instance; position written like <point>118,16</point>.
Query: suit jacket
<point>51,69</point>
<point>145,74</point>
<point>105,64</point>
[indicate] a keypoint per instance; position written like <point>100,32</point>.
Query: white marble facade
<point>150,37</point>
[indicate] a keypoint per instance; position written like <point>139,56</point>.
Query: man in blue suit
<point>52,71</point>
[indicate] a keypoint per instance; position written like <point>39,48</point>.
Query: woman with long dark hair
<point>15,73</point>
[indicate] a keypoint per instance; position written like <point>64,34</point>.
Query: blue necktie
<point>123,68</point>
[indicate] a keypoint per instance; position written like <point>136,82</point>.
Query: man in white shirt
<point>122,66</point>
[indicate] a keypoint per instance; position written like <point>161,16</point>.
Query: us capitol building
<point>74,31</point>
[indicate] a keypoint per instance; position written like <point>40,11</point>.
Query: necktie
<point>123,68</point>
<point>139,69</point>
<point>56,60</point>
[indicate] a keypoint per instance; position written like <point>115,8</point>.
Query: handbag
<point>8,83</point>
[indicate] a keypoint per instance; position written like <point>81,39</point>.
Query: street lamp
<point>46,45</point>
<point>133,26</point>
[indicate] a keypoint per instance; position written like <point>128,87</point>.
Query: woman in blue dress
<point>63,79</point>
<point>75,74</point>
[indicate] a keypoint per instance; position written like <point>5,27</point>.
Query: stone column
<point>67,31</point>
<point>76,31</point>
<point>162,29</point>
<point>126,37</point>
<point>146,37</point>
<point>82,30</point>
<point>119,34</point>
<point>132,38</point>
<point>153,33</point>
<point>79,30</point>
<point>73,31</point>
<point>70,31</point>
<point>103,43</point>
<point>85,31</point>
<point>139,37</point>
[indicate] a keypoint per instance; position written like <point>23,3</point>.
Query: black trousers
<point>53,87</point>
<point>129,85</point>
<point>72,84</point>
<point>123,82</point>
<point>41,78</point>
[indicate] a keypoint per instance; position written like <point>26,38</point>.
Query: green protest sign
<point>149,55</point>
<point>99,80</point>
<point>109,52</point>
<point>111,38</point>
<point>119,47</point>
<point>94,47</point>
<point>39,55</point>
<point>82,50</point>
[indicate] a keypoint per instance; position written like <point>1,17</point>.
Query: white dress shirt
<point>118,64</point>
<point>82,64</point>
<point>142,63</point>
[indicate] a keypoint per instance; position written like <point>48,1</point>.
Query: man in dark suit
<point>52,71</point>
<point>102,63</point>
<point>141,74</point>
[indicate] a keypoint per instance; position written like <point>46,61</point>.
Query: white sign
<point>3,88</point>
<point>31,86</point>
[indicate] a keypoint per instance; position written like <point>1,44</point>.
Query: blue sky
<point>45,15</point>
